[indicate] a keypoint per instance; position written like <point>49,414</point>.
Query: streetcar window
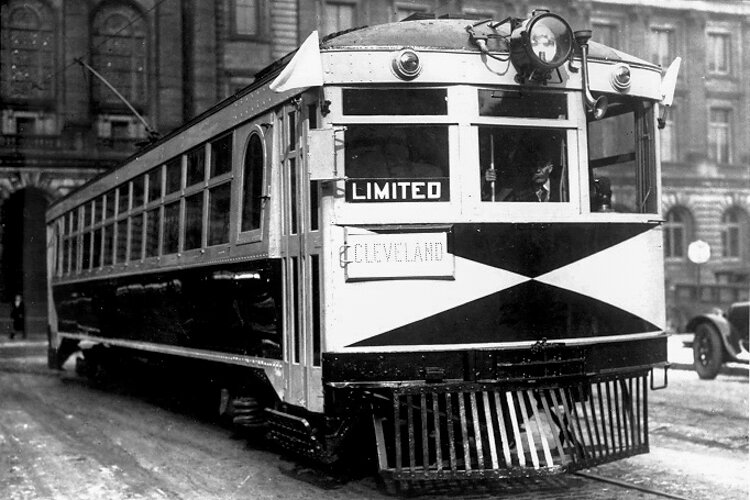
<point>221,155</point>
<point>97,247</point>
<point>98,209</point>
<point>218,215</point>
<point>292,131</point>
<point>174,175</point>
<point>86,215</point>
<point>109,201</point>
<point>154,184</point>
<point>171,228</point>
<point>109,236</point>
<point>122,241</point>
<point>152,233</point>
<point>252,178</point>
<point>74,256</point>
<point>526,165</point>
<point>193,221</point>
<point>66,255</point>
<point>621,167</point>
<point>196,165</point>
<point>123,198</point>
<point>86,251</point>
<point>406,101</point>
<point>388,151</point>
<point>312,116</point>
<point>523,104</point>
<point>138,184</point>
<point>136,236</point>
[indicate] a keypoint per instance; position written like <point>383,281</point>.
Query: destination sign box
<point>397,190</point>
<point>402,255</point>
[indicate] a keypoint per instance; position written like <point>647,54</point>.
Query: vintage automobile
<point>719,338</point>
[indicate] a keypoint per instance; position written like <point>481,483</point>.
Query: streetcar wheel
<point>708,351</point>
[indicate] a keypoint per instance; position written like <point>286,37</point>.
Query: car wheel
<point>708,351</point>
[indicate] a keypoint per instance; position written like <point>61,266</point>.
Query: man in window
<point>533,182</point>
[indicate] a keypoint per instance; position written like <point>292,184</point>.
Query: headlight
<point>540,44</point>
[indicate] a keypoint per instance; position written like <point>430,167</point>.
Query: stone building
<point>171,59</point>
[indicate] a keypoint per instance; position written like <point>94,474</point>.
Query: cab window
<point>523,164</point>
<point>397,163</point>
<point>622,169</point>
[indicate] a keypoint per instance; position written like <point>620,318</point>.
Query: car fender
<point>722,326</point>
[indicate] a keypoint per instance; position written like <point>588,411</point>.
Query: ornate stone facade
<point>171,59</point>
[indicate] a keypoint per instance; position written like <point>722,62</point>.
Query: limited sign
<point>397,190</point>
<point>401,255</point>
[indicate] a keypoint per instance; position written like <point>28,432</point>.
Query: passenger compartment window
<point>174,175</point>
<point>390,163</point>
<point>252,189</point>
<point>136,236</point>
<point>622,168</point>
<point>138,184</point>
<point>523,164</point>
<point>171,228</point>
<point>193,221</point>
<point>221,155</point>
<point>218,215</point>
<point>196,165</point>
<point>152,233</point>
<point>154,185</point>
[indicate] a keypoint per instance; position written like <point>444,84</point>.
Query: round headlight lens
<point>550,40</point>
<point>406,64</point>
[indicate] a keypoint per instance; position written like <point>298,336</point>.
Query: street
<point>64,437</point>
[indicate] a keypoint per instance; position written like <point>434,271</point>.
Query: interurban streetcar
<point>440,235</point>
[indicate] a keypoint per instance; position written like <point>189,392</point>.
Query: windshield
<point>522,164</point>
<point>396,163</point>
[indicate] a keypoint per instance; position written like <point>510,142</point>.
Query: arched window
<point>677,229</point>
<point>118,53</point>
<point>734,233</point>
<point>252,189</point>
<point>26,42</point>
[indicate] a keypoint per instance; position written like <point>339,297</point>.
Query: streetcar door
<point>301,245</point>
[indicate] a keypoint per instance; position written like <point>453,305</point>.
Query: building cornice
<point>711,7</point>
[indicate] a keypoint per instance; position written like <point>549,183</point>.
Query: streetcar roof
<point>444,35</point>
<point>439,35</point>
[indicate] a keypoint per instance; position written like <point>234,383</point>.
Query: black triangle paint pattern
<point>526,312</point>
<point>535,249</point>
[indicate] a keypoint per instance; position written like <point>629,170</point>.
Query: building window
<point>26,49</point>
<point>734,233</point>
<point>668,137</point>
<point>404,10</point>
<point>719,135</point>
<point>719,53</point>
<point>118,53</point>
<point>247,17</point>
<point>676,233</point>
<point>662,46</point>
<point>339,17</point>
<point>605,33</point>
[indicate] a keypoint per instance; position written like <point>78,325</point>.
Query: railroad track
<point>632,486</point>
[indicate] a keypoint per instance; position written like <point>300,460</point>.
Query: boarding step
<point>296,435</point>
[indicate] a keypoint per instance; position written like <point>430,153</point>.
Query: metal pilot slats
<point>446,431</point>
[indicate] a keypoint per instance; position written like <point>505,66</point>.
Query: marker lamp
<point>406,64</point>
